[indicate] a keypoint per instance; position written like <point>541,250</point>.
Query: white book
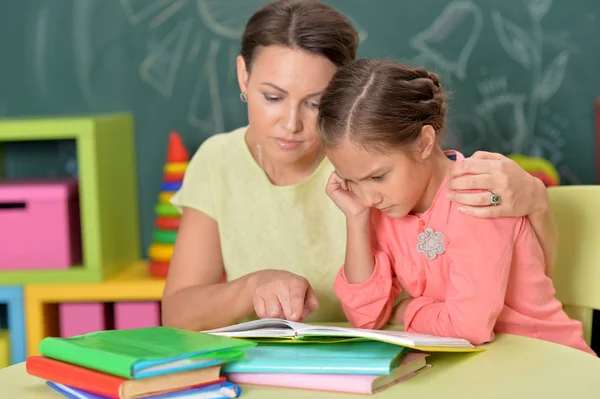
<point>280,328</point>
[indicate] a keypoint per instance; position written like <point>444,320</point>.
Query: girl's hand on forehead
<point>341,194</point>
<point>487,172</point>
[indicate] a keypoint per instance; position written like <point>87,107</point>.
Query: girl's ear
<point>242,74</point>
<point>427,141</point>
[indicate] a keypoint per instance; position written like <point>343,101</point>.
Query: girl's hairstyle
<point>381,105</point>
<point>307,25</point>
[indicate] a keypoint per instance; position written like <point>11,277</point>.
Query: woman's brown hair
<point>307,25</point>
<point>380,105</point>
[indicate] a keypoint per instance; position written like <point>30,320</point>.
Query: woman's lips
<point>286,144</point>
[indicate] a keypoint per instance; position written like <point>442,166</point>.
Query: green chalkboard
<point>524,73</point>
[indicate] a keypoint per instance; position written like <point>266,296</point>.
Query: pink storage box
<point>39,224</point>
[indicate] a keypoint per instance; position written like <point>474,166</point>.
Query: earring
<point>426,156</point>
<point>243,97</point>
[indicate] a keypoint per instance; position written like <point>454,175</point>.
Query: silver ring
<point>494,198</point>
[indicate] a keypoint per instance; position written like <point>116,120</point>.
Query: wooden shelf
<point>108,193</point>
<point>133,283</point>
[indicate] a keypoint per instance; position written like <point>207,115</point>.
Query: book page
<point>394,337</point>
<point>258,328</point>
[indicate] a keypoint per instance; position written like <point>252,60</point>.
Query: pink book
<point>412,364</point>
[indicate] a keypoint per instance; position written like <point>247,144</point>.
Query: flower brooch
<point>431,243</point>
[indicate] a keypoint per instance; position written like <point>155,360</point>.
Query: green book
<point>145,352</point>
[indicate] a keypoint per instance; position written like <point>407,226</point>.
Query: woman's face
<point>284,88</point>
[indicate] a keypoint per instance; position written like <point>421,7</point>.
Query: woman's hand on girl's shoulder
<point>344,198</point>
<point>284,295</point>
<point>521,194</point>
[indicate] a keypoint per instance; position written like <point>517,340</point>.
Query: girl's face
<point>284,87</point>
<point>395,182</point>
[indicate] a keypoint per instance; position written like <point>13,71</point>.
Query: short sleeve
<point>197,189</point>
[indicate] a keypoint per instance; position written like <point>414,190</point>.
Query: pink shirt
<point>488,277</point>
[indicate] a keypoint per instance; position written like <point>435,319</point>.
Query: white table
<point>511,368</point>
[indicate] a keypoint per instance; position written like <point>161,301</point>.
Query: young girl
<point>466,277</point>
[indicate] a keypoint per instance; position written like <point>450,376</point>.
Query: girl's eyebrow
<point>374,172</point>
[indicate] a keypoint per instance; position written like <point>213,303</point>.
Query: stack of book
<point>329,358</point>
<point>153,363</point>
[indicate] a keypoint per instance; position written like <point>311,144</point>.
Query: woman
<point>253,200</point>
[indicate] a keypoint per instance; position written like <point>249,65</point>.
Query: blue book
<point>222,390</point>
<point>354,357</point>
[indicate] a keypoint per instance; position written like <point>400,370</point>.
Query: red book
<point>117,387</point>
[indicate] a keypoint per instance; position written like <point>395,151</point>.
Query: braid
<point>382,104</point>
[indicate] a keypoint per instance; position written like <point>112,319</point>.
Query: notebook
<point>280,328</point>
<point>223,390</point>
<point>115,387</point>
<point>361,357</point>
<point>413,364</point>
<point>144,352</point>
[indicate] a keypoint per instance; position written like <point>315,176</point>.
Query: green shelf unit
<point>108,193</point>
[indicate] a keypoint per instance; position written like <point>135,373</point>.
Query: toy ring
<point>158,269</point>
<point>175,167</point>
<point>160,252</point>
<point>167,223</point>
<point>165,197</point>
<point>173,177</point>
<point>164,236</point>
<point>170,186</point>
<point>166,210</point>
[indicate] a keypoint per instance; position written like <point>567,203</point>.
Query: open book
<point>280,328</point>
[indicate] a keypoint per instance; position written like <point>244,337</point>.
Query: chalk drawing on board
<point>139,10</point>
<point>467,132</point>
<point>227,18</point>
<point>208,77</point>
<point>167,13</point>
<point>233,53</point>
<point>196,33</point>
<point>516,42</point>
<point>42,26</point>
<point>525,46</point>
<point>160,67</point>
<point>459,23</point>
<point>194,52</point>
<point>538,8</point>
<point>199,32</point>
<point>82,15</point>
<point>504,117</point>
<point>560,40</point>
<point>567,176</point>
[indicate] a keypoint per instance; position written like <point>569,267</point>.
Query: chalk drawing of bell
<point>450,39</point>
<point>505,119</point>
